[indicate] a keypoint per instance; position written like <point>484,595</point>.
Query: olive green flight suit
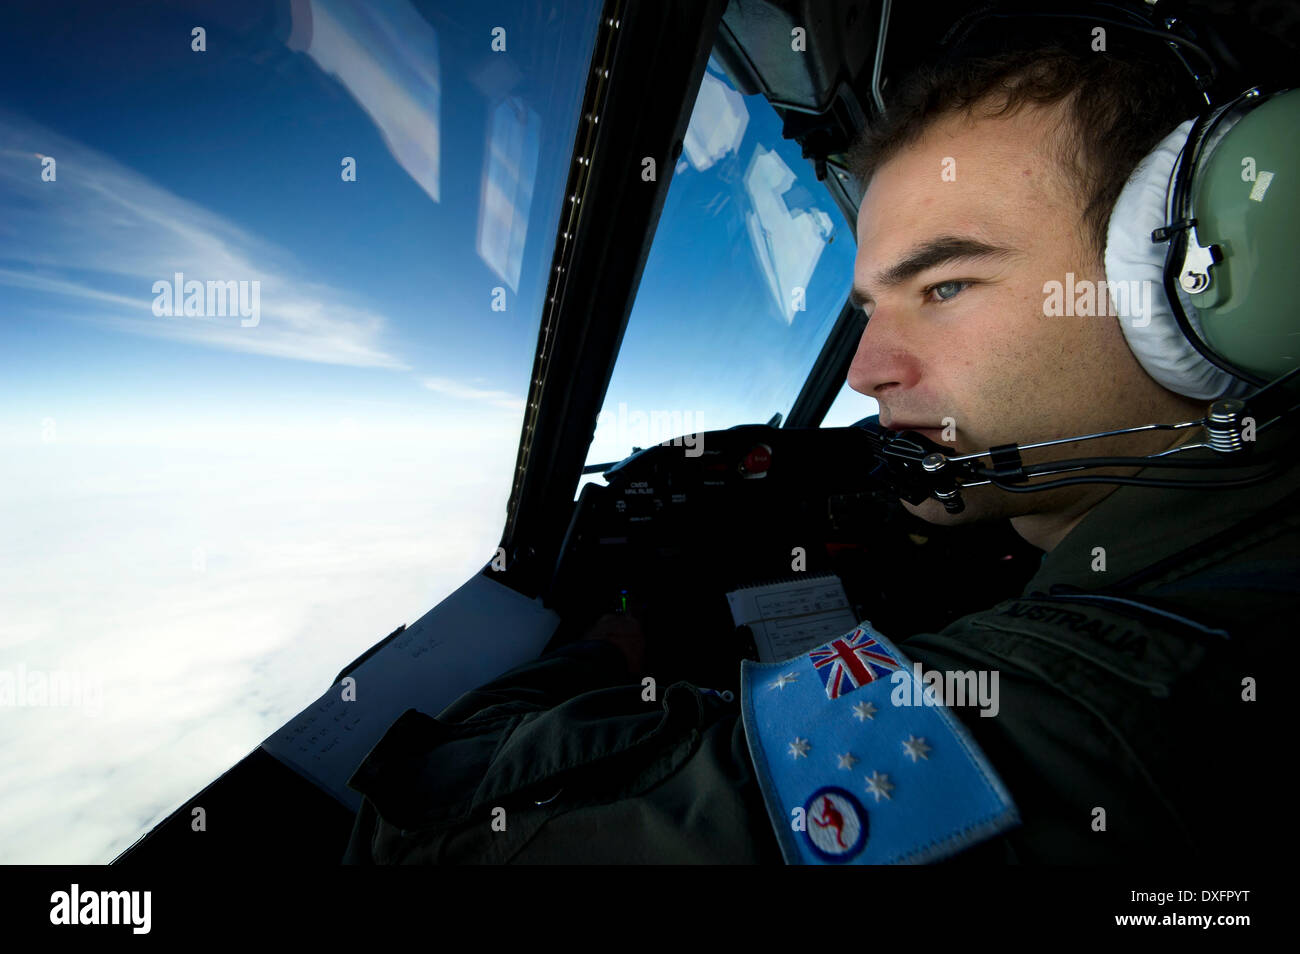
<point>1124,730</point>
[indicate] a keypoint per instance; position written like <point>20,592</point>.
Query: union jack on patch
<point>851,661</point>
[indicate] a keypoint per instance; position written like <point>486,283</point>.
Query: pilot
<point>1129,724</point>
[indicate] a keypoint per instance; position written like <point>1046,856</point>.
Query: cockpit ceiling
<point>755,40</point>
<point>839,45</point>
<point>824,94</point>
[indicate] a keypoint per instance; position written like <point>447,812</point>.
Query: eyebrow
<point>938,251</point>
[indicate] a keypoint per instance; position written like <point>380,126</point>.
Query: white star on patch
<point>879,785</point>
<point>847,760</point>
<point>916,747</point>
<point>864,711</point>
<point>799,748</point>
<point>783,681</point>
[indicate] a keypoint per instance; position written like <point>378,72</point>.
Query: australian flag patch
<point>850,662</point>
<point>861,764</point>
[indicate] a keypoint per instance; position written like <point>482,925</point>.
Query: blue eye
<point>955,286</point>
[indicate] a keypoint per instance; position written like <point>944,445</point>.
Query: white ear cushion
<point>1131,257</point>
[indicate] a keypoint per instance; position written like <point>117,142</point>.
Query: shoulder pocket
<point>1138,643</point>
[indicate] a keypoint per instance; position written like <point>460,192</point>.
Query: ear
<point>1135,269</point>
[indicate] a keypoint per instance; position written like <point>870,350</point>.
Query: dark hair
<point>1117,109</point>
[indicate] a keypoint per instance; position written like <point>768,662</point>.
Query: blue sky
<point>244,142</point>
<point>211,519</point>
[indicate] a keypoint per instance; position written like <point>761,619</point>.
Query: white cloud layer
<point>214,589</point>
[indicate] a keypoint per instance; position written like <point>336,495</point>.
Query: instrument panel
<point>678,526</point>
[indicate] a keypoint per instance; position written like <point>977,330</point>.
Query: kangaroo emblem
<point>831,818</point>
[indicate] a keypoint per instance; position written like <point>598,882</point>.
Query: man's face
<point>957,235</point>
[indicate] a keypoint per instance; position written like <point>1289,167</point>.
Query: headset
<point>1211,218</point>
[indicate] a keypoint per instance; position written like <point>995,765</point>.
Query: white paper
<point>474,635</point>
<point>791,617</point>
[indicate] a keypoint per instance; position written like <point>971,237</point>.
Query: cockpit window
<point>750,266</point>
<point>271,273</point>
<point>849,407</point>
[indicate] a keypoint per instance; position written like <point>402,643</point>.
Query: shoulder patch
<point>860,763</point>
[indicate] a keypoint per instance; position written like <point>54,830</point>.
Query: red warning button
<point>757,461</point>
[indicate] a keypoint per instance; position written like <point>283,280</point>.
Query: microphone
<point>918,469</point>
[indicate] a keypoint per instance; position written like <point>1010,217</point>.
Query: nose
<point>884,362</point>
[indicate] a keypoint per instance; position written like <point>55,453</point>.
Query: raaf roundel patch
<point>860,764</point>
<point>836,824</point>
